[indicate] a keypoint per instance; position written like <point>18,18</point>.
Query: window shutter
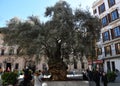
<point>112,33</point>
<point>109,18</point>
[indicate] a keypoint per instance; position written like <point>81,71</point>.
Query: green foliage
<point>66,32</point>
<point>111,76</point>
<point>9,78</point>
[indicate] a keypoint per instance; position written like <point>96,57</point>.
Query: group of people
<point>97,76</point>
<point>32,79</point>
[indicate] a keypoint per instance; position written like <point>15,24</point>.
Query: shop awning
<point>95,62</point>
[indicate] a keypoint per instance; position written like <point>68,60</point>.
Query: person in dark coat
<point>27,77</point>
<point>96,77</point>
<point>104,79</point>
<point>90,77</point>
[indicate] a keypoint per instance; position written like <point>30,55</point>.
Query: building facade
<point>109,45</point>
<point>10,60</point>
<point>8,57</point>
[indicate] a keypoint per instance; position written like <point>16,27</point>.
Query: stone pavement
<point>66,83</point>
<point>71,83</point>
<point>109,84</point>
<point>74,83</point>
<point>113,84</point>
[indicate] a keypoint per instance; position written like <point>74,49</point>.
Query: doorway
<point>8,67</point>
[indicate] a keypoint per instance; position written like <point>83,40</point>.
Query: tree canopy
<point>66,32</point>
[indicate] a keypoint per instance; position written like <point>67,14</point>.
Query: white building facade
<point>109,45</point>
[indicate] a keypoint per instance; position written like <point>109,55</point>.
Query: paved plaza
<point>71,83</point>
<point>74,83</point>
<point>66,83</point>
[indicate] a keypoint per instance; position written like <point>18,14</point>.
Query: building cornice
<point>111,41</point>
<point>111,57</point>
<point>96,3</point>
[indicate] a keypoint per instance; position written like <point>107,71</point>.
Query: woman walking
<point>38,79</point>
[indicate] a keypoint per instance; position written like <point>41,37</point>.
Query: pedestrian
<point>104,79</point>
<point>40,75</point>
<point>27,76</point>
<point>90,77</point>
<point>8,69</point>
<point>38,78</point>
<point>96,77</point>
<point>1,70</point>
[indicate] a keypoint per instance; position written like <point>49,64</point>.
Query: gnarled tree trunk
<point>58,71</point>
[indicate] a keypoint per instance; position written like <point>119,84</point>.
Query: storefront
<point>96,64</point>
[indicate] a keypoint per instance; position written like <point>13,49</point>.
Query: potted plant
<point>111,76</point>
<point>9,78</point>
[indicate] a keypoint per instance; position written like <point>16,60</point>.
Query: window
<point>16,66</point>
<point>108,66</point>
<point>117,48</point>
<point>95,11</point>
<point>109,17</point>
<point>106,36</point>
<point>104,21</point>
<point>113,66</point>
<point>2,52</point>
<point>75,64</point>
<point>101,8</point>
<point>115,32</point>
<point>111,2</point>
<point>0,65</point>
<point>108,50</point>
<point>18,51</point>
<point>114,15</point>
<point>99,51</point>
<point>11,51</point>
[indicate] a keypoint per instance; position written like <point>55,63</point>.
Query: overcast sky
<point>25,8</point>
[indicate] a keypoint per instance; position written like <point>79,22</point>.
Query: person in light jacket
<point>38,78</point>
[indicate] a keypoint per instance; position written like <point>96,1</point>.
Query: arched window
<point>11,51</point>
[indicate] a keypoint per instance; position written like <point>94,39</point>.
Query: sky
<point>24,8</point>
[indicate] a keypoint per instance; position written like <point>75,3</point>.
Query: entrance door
<point>113,66</point>
<point>8,67</point>
<point>108,66</point>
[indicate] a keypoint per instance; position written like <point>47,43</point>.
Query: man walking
<point>96,77</point>
<point>90,77</point>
